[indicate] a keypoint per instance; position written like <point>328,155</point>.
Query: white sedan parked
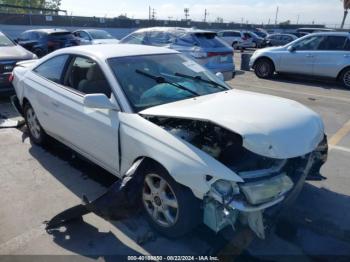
<point>209,153</point>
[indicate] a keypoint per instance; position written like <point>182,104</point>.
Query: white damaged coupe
<point>207,152</point>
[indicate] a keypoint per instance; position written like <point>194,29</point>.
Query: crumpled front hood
<point>270,126</point>
<point>14,52</point>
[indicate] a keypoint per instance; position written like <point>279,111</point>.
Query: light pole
<point>346,7</point>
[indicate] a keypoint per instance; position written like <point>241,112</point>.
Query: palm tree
<point>346,7</point>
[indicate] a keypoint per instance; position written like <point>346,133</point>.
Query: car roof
<point>48,30</point>
<point>174,29</point>
<point>282,34</point>
<point>107,51</point>
<point>90,30</point>
<point>347,34</point>
<point>230,31</point>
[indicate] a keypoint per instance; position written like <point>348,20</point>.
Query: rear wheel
<point>39,52</point>
<point>264,68</point>
<point>345,78</point>
<point>235,45</point>
<point>36,132</point>
<point>170,208</point>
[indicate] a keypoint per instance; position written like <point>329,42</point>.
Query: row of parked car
<point>213,50</point>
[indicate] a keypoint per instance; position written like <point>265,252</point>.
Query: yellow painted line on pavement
<point>341,133</point>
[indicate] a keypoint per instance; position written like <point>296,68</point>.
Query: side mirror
<point>100,101</point>
<point>291,48</point>
<point>220,76</point>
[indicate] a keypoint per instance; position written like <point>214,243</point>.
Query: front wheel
<point>345,78</point>
<point>39,52</point>
<point>170,207</point>
<point>264,68</point>
<point>36,132</point>
<point>235,45</point>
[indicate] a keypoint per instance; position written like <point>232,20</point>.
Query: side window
<point>185,40</point>
<point>84,35</point>
<point>34,36</point>
<point>246,35</point>
<point>52,69</point>
<point>86,76</point>
<point>136,38</point>
<point>221,34</point>
<point>347,45</point>
<point>159,38</point>
<point>23,36</point>
<point>310,43</point>
<point>333,43</point>
<point>285,38</point>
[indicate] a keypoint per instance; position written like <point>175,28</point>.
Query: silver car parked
<point>280,39</point>
<point>94,37</point>
<point>319,54</point>
<point>202,46</point>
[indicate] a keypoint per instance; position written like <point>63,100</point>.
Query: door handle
<point>346,56</point>
<point>309,55</point>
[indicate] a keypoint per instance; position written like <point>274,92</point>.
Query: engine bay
<point>220,143</point>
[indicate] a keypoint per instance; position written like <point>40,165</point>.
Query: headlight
<point>267,190</point>
<point>225,188</point>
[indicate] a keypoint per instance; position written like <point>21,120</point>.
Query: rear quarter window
<point>52,69</point>
<point>208,40</point>
<point>135,38</point>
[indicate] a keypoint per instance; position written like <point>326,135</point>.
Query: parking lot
<point>37,183</point>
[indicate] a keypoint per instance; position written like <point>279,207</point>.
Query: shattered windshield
<point>153,80</point>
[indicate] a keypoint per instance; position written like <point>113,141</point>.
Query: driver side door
<point>301,59</point>
<point>92,132</point>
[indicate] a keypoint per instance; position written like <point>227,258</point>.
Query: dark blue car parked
<point>44,41</point>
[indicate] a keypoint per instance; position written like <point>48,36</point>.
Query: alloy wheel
<point>346,79</point>
<point>263,69</point>
<point>33,123</point>
<point>160,201</point>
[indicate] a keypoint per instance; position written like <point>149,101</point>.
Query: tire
<point>36,132</point>
<point>345,78</point>
<point>173,211</point>
<point>39,52</point>
<point>235,45</point>
<point>264,68</point>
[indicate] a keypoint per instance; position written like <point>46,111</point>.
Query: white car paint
<point>274,127</point>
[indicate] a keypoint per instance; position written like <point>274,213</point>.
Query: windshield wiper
<point>162,80</point>
<point>199,78</point>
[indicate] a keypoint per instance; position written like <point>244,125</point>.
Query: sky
<point>254,11</point>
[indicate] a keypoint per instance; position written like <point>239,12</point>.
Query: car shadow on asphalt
<point>307,81</point>
<point>85,239</point>
<point>323,211</point>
